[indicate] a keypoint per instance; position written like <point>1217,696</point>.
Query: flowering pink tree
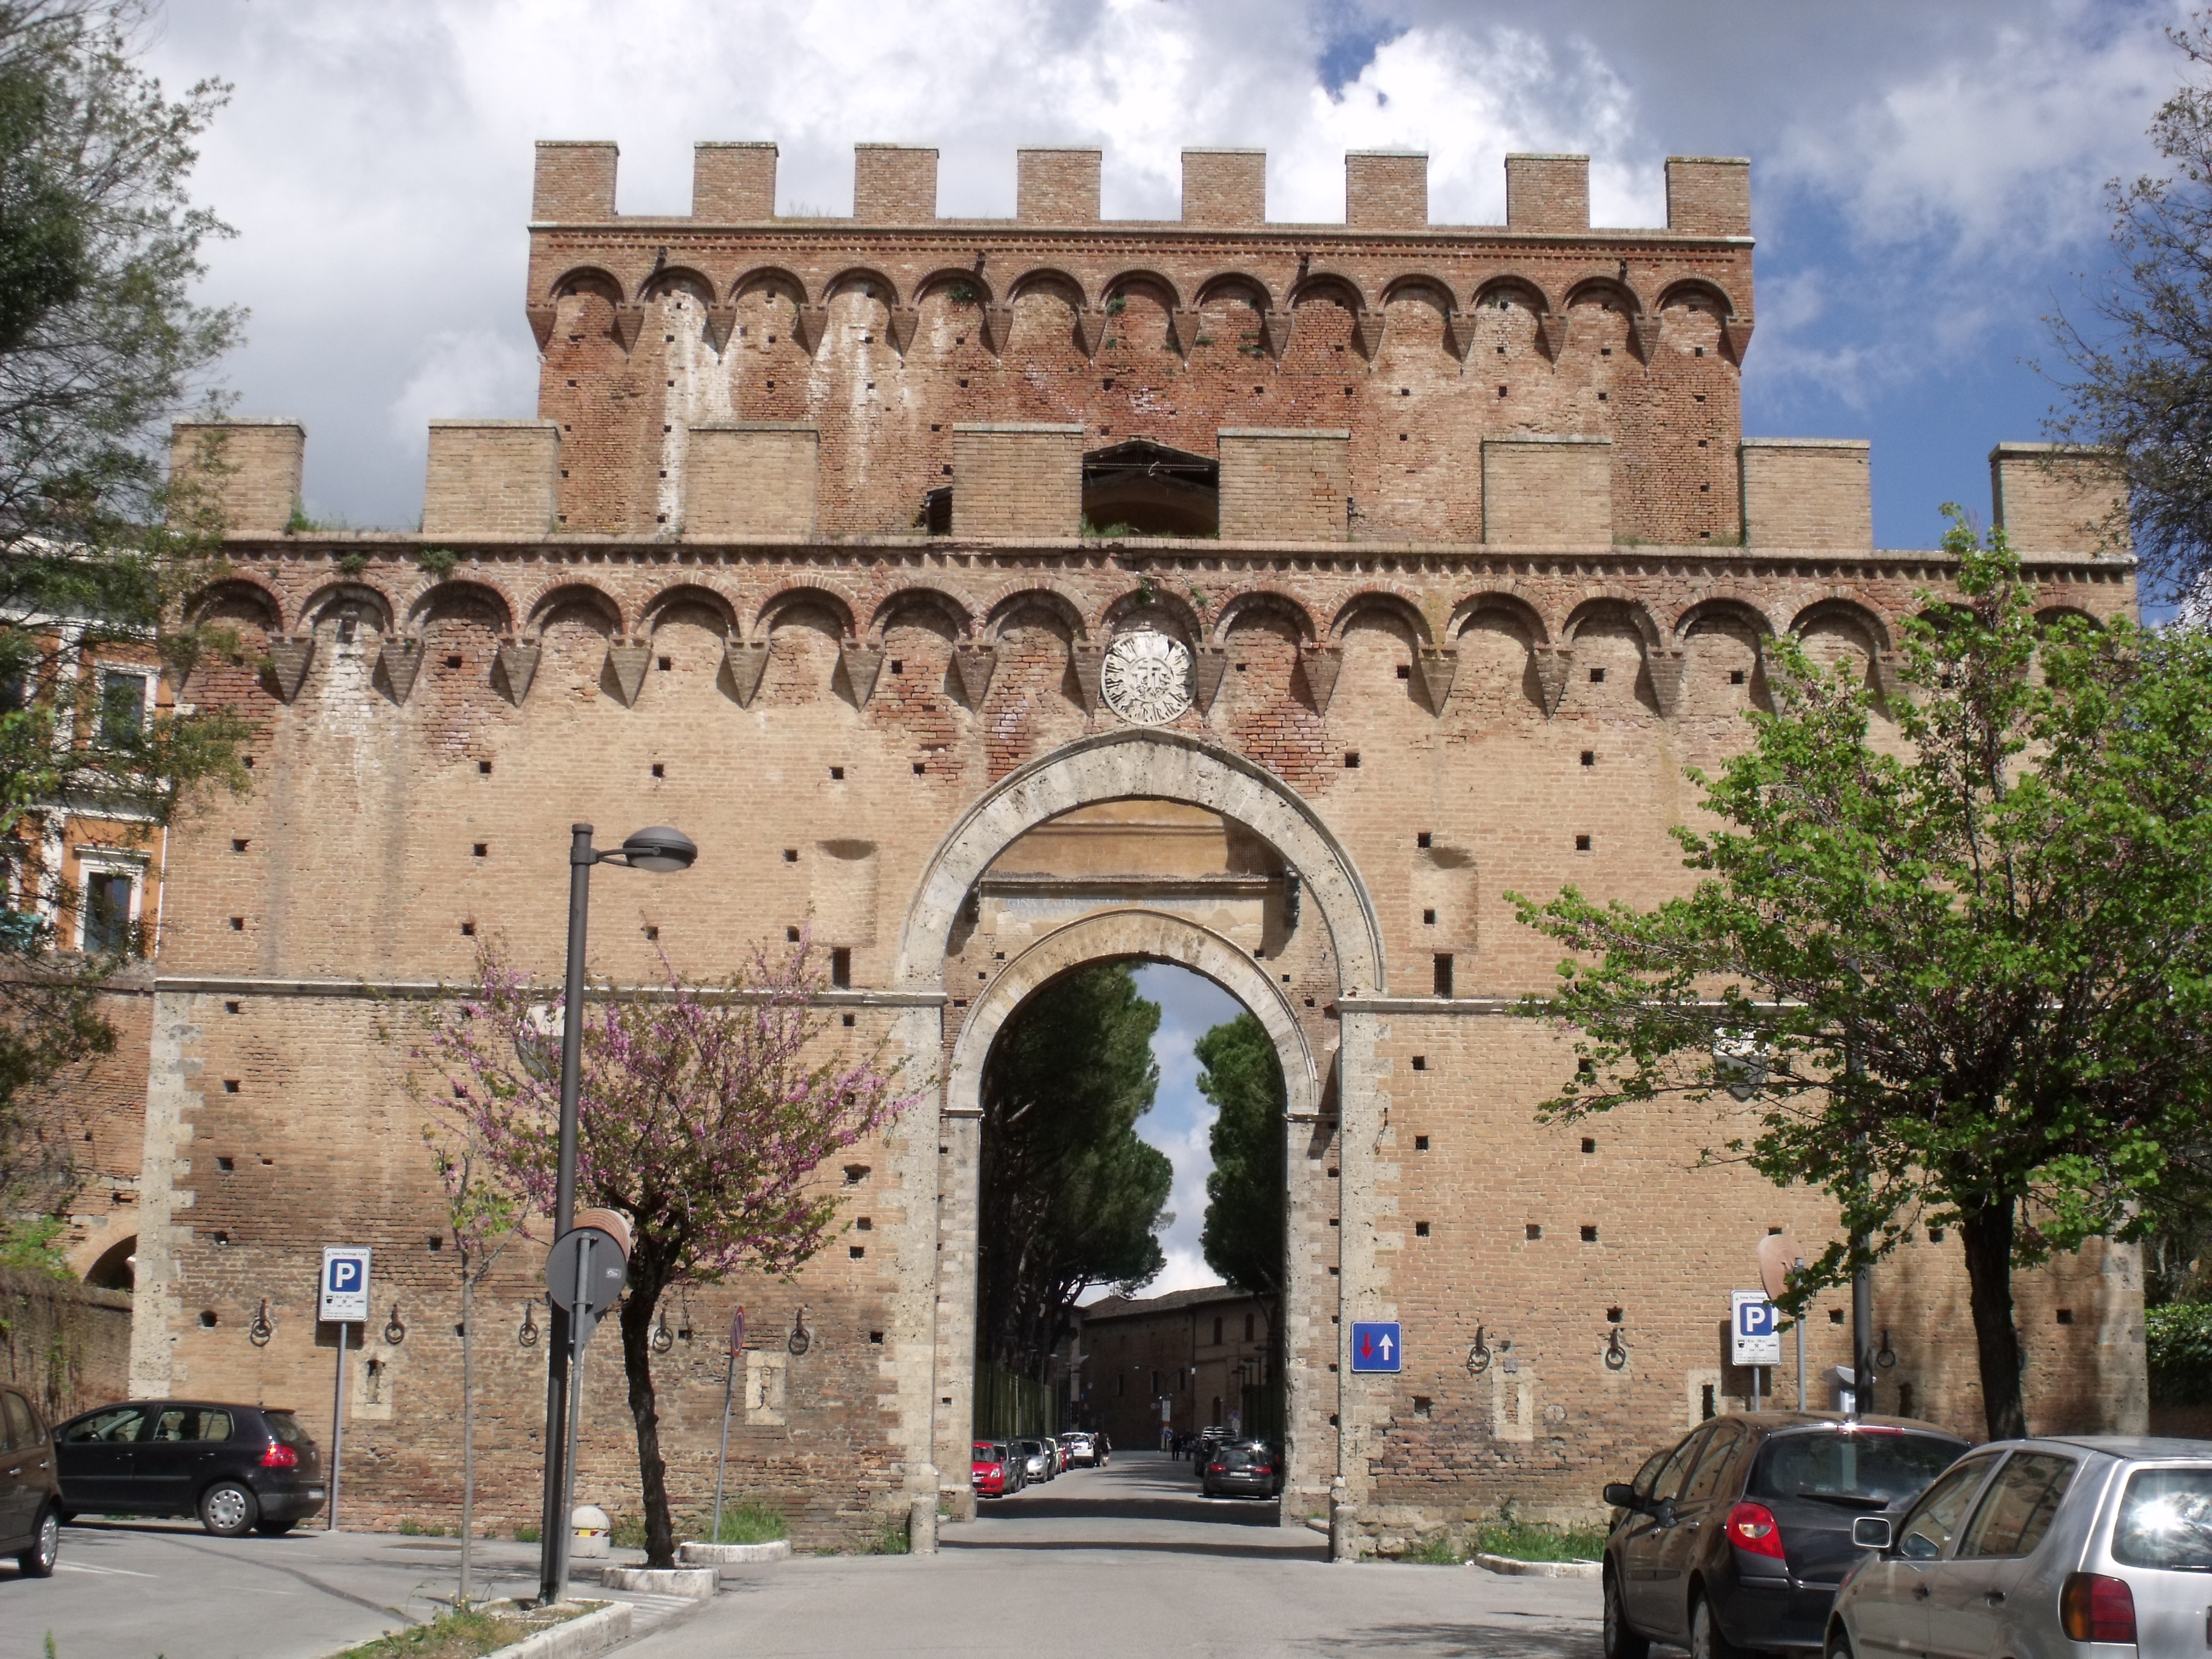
<point>704,1114</point>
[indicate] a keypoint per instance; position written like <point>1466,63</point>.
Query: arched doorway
<point>1312,983</point>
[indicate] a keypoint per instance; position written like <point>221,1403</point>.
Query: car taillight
<point>1216,1468</point>
<point>1753,1526</point>
<point>2093,1607</point>
<point>280,1456</point>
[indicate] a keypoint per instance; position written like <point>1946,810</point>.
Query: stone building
<point>994,597</point>
<point>1180,1360</point>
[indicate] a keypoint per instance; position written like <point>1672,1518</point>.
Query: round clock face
<point>1147,677</point>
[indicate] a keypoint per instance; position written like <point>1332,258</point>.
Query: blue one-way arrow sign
<point>1377,1347</point>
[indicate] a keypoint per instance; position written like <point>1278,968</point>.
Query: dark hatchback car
<point>1736,1538</point>
<point>30,1495</point>
<point>239,1468</point>
<point>1244,1468</point>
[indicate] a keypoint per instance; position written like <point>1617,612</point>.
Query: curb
<point>579,1639</point>
<point>697,1582</point>
<point>1513,1568</point>
<point>733,1555</point>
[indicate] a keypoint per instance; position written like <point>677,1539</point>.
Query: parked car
<point>1244,1468</point>
<point>1201,1448</point>
<point>2029,1546</point>
<point>993,1470</point>
<point>1738,1536</point>
<point>239,1468</point>
<point>1082,1451</point>
<point>1036,1459</point>
<point>30,1488</point>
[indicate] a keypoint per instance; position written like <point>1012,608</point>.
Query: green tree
<point>2138,380</point>
<point>1965,986</point>
<point>1071,1197</point>
<point>1243,1236</point>
<point>100,344</point>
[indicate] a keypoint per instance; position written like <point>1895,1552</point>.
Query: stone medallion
<point>1147,677</point>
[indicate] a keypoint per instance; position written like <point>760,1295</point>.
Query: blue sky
<point>1927,179</point>
<point>1181,1119</point>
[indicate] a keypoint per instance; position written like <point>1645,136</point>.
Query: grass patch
<point>747,1524</point>
<point>527,1533</point>
<point>409,1527</point>
<point>462,1633</point>
<point>1533,1540</point>
<point>1437,1552</point>
<point>627,1532</point>
<point>889,1538</point>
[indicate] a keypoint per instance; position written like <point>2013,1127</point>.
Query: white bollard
<point>590,1533</point>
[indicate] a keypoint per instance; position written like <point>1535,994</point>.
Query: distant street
<point>1127,1561</point>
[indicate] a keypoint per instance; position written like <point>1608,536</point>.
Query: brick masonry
<point>861,723</point>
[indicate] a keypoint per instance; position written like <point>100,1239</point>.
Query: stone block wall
<point>750,478</point>
<point>246,472</point>
<point>734,183</point>
<point>1057,186</point>
<point>2050,498</point>
<point>894,184</point>
<point>1017,478</point>
<point>1386,190</point>
<point>575,182</point>
<point>1225,187</point>
<point>1547,492</point>
<point>490,477</point>
<point>1285,485</point>
<point>1808,492</point>
<point>1547,193</point>
<point>1709,195</point>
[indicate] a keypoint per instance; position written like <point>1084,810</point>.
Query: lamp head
<point>661,850</point>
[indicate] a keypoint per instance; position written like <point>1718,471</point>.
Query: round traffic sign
<point>603,1271</point>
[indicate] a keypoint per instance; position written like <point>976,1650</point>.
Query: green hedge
<point>2178,1341</point>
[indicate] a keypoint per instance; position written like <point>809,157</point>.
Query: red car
<point>993,1472</point>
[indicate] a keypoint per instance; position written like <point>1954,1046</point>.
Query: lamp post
<point>661,850</point>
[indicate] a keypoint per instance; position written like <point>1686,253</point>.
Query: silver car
<point>2033,1549</point>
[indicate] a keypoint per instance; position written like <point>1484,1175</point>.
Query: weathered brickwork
<point>1434,660</point>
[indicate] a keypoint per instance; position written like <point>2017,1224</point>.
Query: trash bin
<point>589,1530</point>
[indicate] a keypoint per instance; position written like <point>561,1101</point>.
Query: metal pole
<point>722,1457</point>
<point>552,1555</point>
<point>1754,1389</point>
<point>576,1324</point>
<point>338,1429</point>
<point>1801,1348</point>
<point>1861,1287</point>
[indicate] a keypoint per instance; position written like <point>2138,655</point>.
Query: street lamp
<point>661,850</point>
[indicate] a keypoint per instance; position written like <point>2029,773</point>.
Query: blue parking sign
<point>1754,1329</point>
<point>344,1297</point>
<point>1377,1347</point>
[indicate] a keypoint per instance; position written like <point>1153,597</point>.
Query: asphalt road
<point>166,1590</point>
<point>1124,1561</point>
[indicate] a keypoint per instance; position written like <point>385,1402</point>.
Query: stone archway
<point>939,1262</point>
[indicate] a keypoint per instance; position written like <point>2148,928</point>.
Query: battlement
<point>895,185</point>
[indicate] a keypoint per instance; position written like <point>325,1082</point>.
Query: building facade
<point>988,598</point>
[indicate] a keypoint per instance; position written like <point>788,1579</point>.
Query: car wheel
<point>37,1561</point>
<point>1707,1639</point>
<point>274,1528</point>
<point>228,1510</point>
<point>1622,1641</point>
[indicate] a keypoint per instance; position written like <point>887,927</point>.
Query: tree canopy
<point>1243,1076</point>
<point>2137,379</point>
<point>1965,984</point>
<point>1071,1197</point>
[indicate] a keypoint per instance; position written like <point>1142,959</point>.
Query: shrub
<point>2178,1342</point>
<point>748,1523</point>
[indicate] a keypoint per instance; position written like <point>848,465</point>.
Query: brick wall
<point>894,184</point>
<point>750,478</point>
<point>1284,485</point>
<point>733,184</point>
<point>575,182</point>
<point>2050,499</point>
<point>1709,195</point>
<point>246,471</point>
<point>1056,187</point>
<point>1225,186</point>
<point>66,1346</point>
<point>490,477</point>
<point>1547,193</point>
<point>1386,190</point>
<point>1016,479</point>
<point>1547,492</point>
<point>1808,492</point>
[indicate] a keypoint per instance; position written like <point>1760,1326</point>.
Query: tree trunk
<point>1988,1234</point>
<point>468,1425</point>
<point>637,1311</point>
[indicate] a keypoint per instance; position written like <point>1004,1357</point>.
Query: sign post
<point>1754,1334</point>
<point>585,1273</point>
<point>729,1384</point>
<point>1780,1261</point>
<point>342,1298</point>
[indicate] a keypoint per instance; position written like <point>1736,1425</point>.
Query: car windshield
<point>1236,1457</point>
<point>285,1427</point>
<point>990,1454</point>
<point>1856,1469</point>
<point>2165,1521</point>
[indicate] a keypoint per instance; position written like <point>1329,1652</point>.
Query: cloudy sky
<point>1181,1123</point>
<point>1927,178</point>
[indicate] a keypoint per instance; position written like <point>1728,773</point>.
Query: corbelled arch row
<point>1333,1093</point>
